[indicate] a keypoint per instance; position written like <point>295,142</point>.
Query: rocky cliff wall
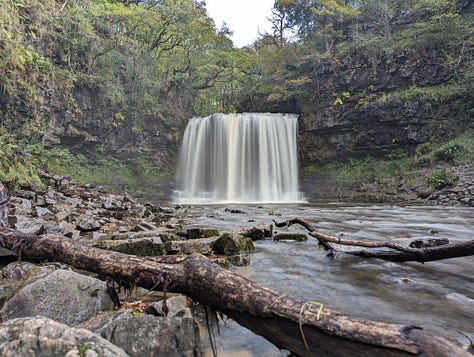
<point>360,106</point>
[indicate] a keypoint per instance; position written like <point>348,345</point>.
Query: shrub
<point>449,152</point>
<point>442,178</point>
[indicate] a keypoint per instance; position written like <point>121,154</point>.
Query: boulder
<point>167,237</point>
<point>15,275</point>
<point>234,210</point>
<point>44,213</point>
<point>259,233</point>
<point>201,245</point>
<point>300,237</point>
<point>148,335</point>
<point>177,306</point>
<point>6,254</point>
<point>138,246</point>
<point>29,225</point>
<point>195,233</point>
<point>126,234</point>
<point>64,296</point>
<point>87,223</point>
<point>232,244</point>
<point>42,337</point>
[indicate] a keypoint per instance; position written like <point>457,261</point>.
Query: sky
<point>244,17</point>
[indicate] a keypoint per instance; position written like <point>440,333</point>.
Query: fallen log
<point>398,252</point>
<point>304,328</point>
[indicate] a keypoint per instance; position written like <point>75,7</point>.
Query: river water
<point>438,296</point>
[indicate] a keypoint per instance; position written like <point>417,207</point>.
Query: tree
<point>323,22</point>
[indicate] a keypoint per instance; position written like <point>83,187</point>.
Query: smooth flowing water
<point>438,296</point>
<point>239,158</point>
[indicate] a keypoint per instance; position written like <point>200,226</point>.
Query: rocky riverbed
<point>50,309</point>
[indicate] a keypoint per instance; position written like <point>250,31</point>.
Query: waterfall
<point>239,158</point>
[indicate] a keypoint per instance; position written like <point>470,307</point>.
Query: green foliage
<point>442,178</point>
<point>16,165</point>
<point>82,350</point>
<point>137,175</point>
<point>143,66</point>
<point>341,98</point>
<point>308,170</point>
<point>367,169</point>
<point>449,153</point>
<point>433,94</point>
<point>459,151</point>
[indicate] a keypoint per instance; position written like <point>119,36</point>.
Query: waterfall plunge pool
<point>438,296</point>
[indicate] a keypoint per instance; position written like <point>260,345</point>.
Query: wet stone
<point>231,244</point>
<point>195,233</point>
<point>300,237</point>
<point>201,246</point>
<point>139,246</point>
<point>259,233</point>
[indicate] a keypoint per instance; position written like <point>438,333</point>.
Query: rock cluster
<point>116,222</point>
<point>58,312</point>
<point>50,310</point>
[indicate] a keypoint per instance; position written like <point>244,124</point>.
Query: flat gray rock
<point>63,296</point>
<point>43,337</point>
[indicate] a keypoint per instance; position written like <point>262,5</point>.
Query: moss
<point>300,237</point>
<point>82,350</point>
<point>233,244</point>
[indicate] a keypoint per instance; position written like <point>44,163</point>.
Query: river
<point>438,296</point>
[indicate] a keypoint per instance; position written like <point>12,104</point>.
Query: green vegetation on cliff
<point>431,165</point>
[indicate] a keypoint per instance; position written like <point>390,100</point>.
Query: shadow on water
<point>438,296</point>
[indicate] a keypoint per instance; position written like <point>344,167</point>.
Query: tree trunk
<point>300,327</point>
<point>399,253</point>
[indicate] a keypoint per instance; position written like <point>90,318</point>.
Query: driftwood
<point>397,252</point>
<point>304,328</point>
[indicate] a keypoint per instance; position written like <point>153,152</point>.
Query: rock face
<point>42,337</point>
<point>64,296</point>
<point>384,106</point>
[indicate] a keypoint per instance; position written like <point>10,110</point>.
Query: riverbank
<point>438,185</point>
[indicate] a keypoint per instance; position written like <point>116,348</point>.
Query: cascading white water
<point>239,158</point>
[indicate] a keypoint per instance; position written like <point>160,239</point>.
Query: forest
<point>93,87</point>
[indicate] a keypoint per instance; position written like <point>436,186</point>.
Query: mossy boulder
<point>232,244</point>
<point>196,233</point>
<point>300,237</point>
<point>259,233</point>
